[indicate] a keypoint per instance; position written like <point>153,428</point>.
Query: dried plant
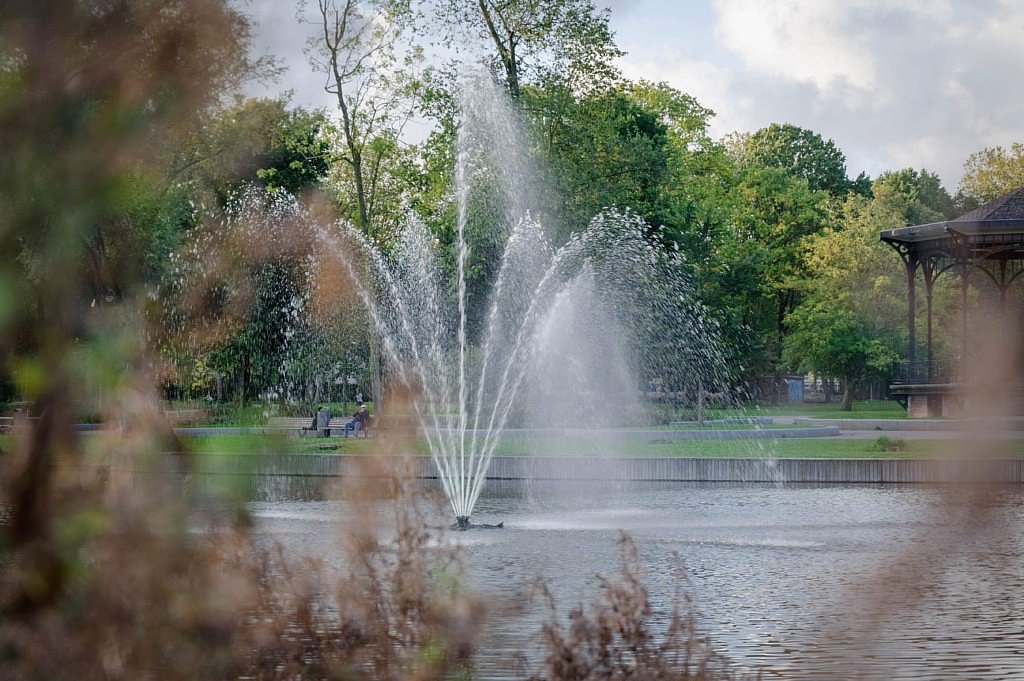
<point>397,611</point>
<point>614,637</point>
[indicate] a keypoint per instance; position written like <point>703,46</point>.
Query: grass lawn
<point>868,409</point>
<point>782,448</point>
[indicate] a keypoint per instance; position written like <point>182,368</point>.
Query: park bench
<point>299,424</point>
<point>303,425</point>
<point>337,426</point>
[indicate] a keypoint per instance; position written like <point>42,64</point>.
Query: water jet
<point>552,324</point>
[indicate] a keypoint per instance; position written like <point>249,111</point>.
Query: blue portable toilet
<point>795,390</point>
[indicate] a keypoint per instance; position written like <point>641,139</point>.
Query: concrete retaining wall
<point>646,469</point>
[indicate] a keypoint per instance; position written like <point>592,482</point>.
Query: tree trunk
<point>375,388</point>
<point>700,402</point>
<point>848,386</point>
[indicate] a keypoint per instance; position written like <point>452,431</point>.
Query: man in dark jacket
<point>358,421</point>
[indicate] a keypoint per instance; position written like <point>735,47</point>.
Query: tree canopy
<point>992,172</point>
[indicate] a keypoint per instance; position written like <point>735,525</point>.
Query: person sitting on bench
<point>358,421</point>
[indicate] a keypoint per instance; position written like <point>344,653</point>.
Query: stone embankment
<point>643,469</point>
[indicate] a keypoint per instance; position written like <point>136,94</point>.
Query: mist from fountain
<point>577,322</point>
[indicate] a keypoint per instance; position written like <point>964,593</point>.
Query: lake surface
<point>903,582</point>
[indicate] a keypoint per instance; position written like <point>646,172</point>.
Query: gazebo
<point>986,242</point>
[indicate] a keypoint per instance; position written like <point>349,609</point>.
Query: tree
<point>851,323</point>
<point>756,260</point>
<point>830,341</point>
<point>254,141</point>
<point>567,42</point>
<point>611,151</point>
<point>992,172</point>
<point>356,50</point>
<point>801,152</point>
<point>926,199</point>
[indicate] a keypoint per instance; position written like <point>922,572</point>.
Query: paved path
<point>911,429</point>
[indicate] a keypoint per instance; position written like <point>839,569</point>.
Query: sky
<point>895,83</point>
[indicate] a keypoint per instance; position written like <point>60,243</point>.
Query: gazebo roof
<point>1004,215</point>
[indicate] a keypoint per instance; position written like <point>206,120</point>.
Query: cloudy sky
<point>895,83</point>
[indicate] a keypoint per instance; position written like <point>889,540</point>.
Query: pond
<point>798,581</point>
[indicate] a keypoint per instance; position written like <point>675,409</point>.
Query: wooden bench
<point>290,423</point>
<point>303,425</point>
<point>337,426</point>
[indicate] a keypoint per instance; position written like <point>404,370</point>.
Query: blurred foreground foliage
<point>113,566</point>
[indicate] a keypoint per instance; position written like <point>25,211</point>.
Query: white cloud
<point>900,83</point>
<point>801,40</point>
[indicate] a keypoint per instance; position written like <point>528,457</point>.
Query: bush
<point>888,444</point>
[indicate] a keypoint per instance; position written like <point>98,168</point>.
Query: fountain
<point>599,306</point>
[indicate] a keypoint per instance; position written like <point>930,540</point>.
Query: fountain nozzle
<point>462,522</point>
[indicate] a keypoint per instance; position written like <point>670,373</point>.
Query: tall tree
<point>355,48</point>
<point>926,200</point>
<point>851,323</point>
<point>564,41</point>
<point>756,260</point>
<point>799,151</point>
<point>992,172</point>
<point>611,151</point>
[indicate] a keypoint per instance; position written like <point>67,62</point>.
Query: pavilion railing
<point>923,372</point>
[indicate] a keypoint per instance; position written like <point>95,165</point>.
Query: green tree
<point>992,172</point>
<point>851,323</point>
<point>926,199</point>
<point>757,259</point>
<point>565,44</point>
<point>611,152</point>
<point>356,49</point>
<point>255,141</point>
<point>799,151</point>
<point>830,341</point>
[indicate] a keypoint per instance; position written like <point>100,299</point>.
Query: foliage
<point>265,140</point>
<point>830,341</point>
<point>609,152</point>
<point>884,443</point>
<point>355,48</point>
<point>756,260</point>
<point>992,172</point>
<point>801,152</point>
<point>926,199</point>
<point>562,46</point>
<point>852,321</point>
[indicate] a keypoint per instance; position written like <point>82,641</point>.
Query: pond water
<point>903,582</point>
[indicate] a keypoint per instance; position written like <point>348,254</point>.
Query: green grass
<point>302,445</point>
<point>780,448</point>
<point>867,409</point>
